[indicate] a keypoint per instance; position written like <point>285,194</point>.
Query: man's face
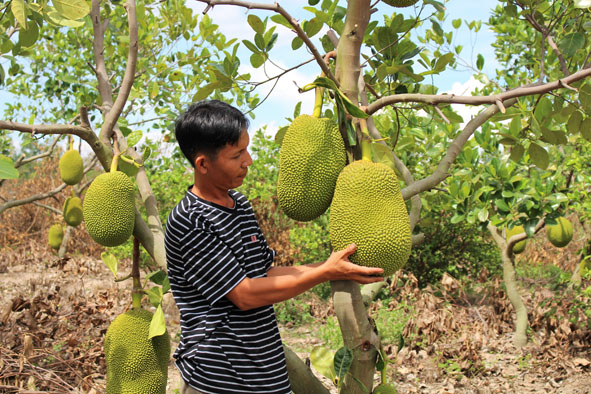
<point>231,164</point>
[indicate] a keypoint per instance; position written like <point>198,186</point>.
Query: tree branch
<point>452,153</point>
<point>478,100</point>
<point>280,10</point>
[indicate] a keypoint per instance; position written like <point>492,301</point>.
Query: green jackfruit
<point>519,246</point>
<point>385,388</point>
<point>135,364</point>
<point>56,236</point>
<point>561,233</point>
<point>400,3</point>
<point>72,211</point>
<point>311,158</point>
<point>368,210</point>
<point>109,208</point>
<point>71,167</point>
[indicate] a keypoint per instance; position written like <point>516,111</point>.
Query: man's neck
<point>217,196</point>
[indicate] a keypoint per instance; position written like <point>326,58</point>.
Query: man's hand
<point>338,267</point>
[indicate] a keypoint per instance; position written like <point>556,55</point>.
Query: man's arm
<point>253,293</point>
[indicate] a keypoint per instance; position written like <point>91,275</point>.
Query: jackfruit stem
<point>365,149</point>
<point>136,293</point>
<point>71,141</point>
<point>114,163</point>
<point>318,102</point>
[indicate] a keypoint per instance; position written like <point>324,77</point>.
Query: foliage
<point>460,249</point>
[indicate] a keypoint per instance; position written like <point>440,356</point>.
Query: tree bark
<point>301,377</point>
<point>521,322</point>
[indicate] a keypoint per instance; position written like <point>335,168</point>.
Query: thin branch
<point>33,198</point>
<point>280,10</point>
<point>479,100</point>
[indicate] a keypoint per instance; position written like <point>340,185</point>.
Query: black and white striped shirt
<point>209,250</point>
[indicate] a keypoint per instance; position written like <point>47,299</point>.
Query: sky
<point>280,104</point>
<point>273,112</point>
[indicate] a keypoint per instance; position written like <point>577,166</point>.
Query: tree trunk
<point>521,323</point>
<point>301,377</point>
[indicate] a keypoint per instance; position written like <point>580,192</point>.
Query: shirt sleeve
<point>211,266</point>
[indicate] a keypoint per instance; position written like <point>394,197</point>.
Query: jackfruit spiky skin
<point>73,211</point>
<point>56,236</point>
<point>385,388</point>
<point>135,364</point>
<point>71,167</point>
<point>400,3</point>
<point>312,156</point>
<point>519,246</point>
<point>367,209</point>
<point>561,233</point>
<point>109,208</point>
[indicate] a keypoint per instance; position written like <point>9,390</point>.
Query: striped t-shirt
<point>209,250</point>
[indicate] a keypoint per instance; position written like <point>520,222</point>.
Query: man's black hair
<point>207,126</point>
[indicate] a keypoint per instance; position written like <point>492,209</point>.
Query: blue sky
<point>232,22</point>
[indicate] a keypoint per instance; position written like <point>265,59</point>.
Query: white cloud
<point>465,89</point>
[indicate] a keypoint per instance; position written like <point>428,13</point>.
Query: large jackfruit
<point>71,167</point>
<point>367,209</point>
<point>312,156</point>
<point>519,246</point>
<point>56,236</point>
<point>72,211</point>
<point>135,364</point>
<point>561,233</point>
<point>109,208</point>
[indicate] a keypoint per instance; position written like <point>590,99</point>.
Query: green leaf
<point>72,9</point>
<point>381,153</point>
<point>585,128</point>
<point>574,122</point>
<point>204,92</point>
<point>7,169</point>
<point>479,62</point>
<point>312,27</point>
<point>321,359</point>
<point>57,19</point>
<point>456,23</point>
<point>134,137</point>
<point>155,295</point>
<point>570,44</point>
<point>502,205</point>
<point>253,48</point>
<point>257,60</point>
<point>517,152</point>
<point>280,20</point>
<point>111,262</point>
<point>280,134</point>
<point>19,10</point>
<point>158,324</point>
<point>256,23</point>
<point>483,214</point>
<point>538,156</point>
<point>296,43</point>
<point>342,362</point>
<point>157,277</point>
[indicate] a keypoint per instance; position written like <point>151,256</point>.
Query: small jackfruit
<point>561,233</point>
<point>56,235</point>
<point>385,388</point>
<point>109,208</point>
<point>312,156</point>
<point>72,211</point>
<point>71,167</point>
<point>400,3</point>
<point>519,246</point>
<point>367,209</point>
<point>135,363</point>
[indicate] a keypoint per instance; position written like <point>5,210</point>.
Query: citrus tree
<point>122,62</point>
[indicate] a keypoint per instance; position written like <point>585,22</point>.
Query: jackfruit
<point>385,388</point>
<point>367,209</point>
<point>561,233</point>
<point>135,364</point>
<point>73,211</point>
<point>56,236</point>
<point>400,3</point>
<point>109,208</point>
<point>519,246</point>
<point>71,167</point>
<point>312,156</point>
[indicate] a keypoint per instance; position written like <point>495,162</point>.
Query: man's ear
<point>201,164</point>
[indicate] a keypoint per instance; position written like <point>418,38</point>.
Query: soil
<point>54,313</point>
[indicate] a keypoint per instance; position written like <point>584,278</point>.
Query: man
<point>220,267</point>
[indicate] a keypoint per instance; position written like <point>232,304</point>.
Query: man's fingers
<point>349,250</point>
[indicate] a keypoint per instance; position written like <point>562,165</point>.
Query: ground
<point>54,314</point>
